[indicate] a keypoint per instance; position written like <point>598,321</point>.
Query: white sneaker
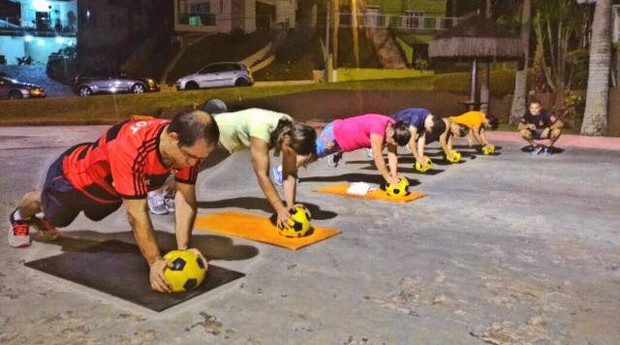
<point>369,153</point>
<point>169,202</point>
<point>157,204</point>
<point>277,175</point>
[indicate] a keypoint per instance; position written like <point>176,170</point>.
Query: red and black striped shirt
<point>124,163</point>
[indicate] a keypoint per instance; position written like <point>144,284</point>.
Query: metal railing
<point>8,25</point>
<point>401,22</point>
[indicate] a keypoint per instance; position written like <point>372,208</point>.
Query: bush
<point>571,109</point>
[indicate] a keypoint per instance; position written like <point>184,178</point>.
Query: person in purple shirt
<point>373,131</point>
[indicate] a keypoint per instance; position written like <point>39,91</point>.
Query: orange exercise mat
<point>341,189</point>
<point>258,228</point>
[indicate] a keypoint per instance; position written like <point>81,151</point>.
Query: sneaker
<point>169,202</point>
<point>537,150</point>
<point>334,159</point>
<point>19,234</point>
<point>277,175</point>
<point>548,152</point>
<point>46,229</point>
<point>156,202</point>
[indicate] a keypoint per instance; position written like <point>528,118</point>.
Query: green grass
<point>107,109</point>
<point>429,7</point>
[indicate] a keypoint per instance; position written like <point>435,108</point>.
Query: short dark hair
<point>463,130</point>
<point>194,125</point>
<point>493,122</point>
<point>439,126</point>
<point>535,100</point>
<point>402,135</point>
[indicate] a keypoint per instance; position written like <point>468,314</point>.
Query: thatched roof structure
<point>476,37</point>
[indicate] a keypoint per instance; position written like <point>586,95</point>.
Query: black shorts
<point>61,202</point>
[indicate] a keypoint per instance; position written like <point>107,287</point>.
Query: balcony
<point>10,26</point>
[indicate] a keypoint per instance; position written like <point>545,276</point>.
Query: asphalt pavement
<point>504,249</point>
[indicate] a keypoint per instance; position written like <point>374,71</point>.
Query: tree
<point>519,101</point>
<point>595,116</point>
<point>561,27</point>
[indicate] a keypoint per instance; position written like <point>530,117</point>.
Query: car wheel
<point>242,82</point>
<point>192,85</point>
<point>85,91</point>
<point>138,88</point>
<point>15,95</point>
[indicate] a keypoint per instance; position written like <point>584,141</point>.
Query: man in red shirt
<point>128,160</point>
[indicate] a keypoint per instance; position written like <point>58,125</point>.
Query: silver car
<point>104,81</point>
<point>220,74</point>
<point>14,89</point>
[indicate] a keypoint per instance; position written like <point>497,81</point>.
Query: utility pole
<point>326,68</point>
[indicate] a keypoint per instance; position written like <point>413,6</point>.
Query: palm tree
<point>519,100</point>
<point>595,116</point>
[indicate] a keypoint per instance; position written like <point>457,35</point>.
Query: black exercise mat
<point>117,268</point>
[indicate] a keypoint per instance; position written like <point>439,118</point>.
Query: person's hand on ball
<point>283,217</point>
<point>156,275</point>
<point>199,253</point>
<point>394,180</point>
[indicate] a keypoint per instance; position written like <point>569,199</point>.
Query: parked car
<point>103,81</point>
<point>14,89</point>
<point>219,74</point>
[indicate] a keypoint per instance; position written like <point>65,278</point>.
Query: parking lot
<point>509,249</point>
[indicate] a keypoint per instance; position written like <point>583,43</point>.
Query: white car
<point>220,74</point>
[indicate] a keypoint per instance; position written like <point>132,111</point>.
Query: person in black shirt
<point>540,124</point>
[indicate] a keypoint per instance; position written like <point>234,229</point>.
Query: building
<point>213,16</point>
<point>31,30</point>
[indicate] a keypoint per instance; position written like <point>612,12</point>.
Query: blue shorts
<point>61,202</point>
<point>326,143</point>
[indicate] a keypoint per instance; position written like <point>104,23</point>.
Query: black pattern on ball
<point>190,284</point>
<point>178,264</point>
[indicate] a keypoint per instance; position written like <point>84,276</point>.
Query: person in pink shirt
<point>372,131</point>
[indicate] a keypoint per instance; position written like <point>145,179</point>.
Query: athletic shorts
<point>537,133</point>
<point>62,202</point>
<point>326,143</point>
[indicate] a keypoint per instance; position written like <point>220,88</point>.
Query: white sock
<point>40,215</point>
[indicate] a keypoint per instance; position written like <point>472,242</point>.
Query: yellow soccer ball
<point>300,223</point>
<point>426,166</point>
<point>401,189</point>
<point>487,150</point>
<point>188,270</point>
<point>454,156</point>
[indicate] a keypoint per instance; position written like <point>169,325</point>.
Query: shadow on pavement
<point>253,203</point>
<point>213,247</point>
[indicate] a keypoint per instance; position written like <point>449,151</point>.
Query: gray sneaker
<point>169,201</point>
<point>157,204</point>
<point>334,159</point>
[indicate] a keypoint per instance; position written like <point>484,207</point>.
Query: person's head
<point>192,135</point>
<point>535,107</point>
<point>298,137</point>
<point>215,106</point>
<point>439,126</point>
<point>458,130</point>
<point>398,133</point>
<point>491,122</point>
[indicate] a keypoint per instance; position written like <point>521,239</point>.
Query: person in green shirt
<point>260,131</point>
